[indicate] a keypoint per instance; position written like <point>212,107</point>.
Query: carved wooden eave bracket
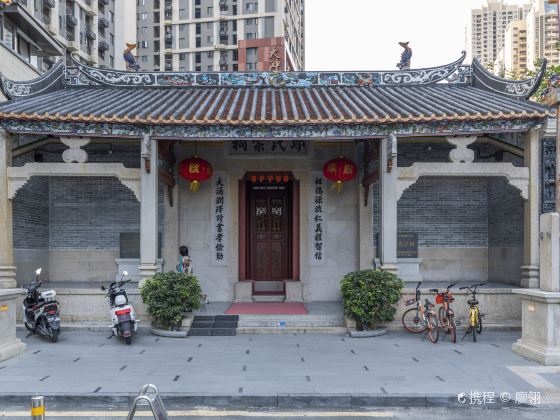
<point>20,175</point>
<point>462,165</point>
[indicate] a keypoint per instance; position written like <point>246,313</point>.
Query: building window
<point>251,21</point>
<point>112,39</point>
<point>198,29</point>
<point>112,16</point>
<point>198,43</point>
<point>210,10</point>
<point>210,54</point>
<point>141,2</point>
<point>210,68</point>
<point>197,68</point>
<point>250,66</point>
<point>142,16</point>
<point>182,68</point>
<point>143,44</point>
<point>144,59</point>
<point>249,6</point>
<point>210,39</point>
<point>183,13</point>
<point>182,27</point>
<point>182,56</point>
<point>111,61</point>
<point>183,43</point>
<point>197,58</point>
<point>208,25</point>
<point>251,35</point>
<point>144,30</point>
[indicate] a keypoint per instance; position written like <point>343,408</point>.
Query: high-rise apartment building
<point>514,53</point>
<point>220,35</point>
<point>94,30</point>
<point>488,28</point>
<point>542,33</point>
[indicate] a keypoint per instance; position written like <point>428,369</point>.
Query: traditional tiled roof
<point>292,98</point>
<point>267,105</point>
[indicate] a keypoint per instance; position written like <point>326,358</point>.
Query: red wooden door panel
<point>269,232</point>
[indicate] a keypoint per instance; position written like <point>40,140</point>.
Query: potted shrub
<point>168,296</point>
<point>370,298</point>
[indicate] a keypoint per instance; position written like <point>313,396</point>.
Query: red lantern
<point>339,170</point>
<point>195,170</point>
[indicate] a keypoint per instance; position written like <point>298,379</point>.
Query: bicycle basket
<point>410,302</point>
<point>439,299</point>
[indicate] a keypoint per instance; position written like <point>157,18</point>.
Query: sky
<point>364,34</point>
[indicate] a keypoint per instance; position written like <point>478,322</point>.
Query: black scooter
<point>41,311</point>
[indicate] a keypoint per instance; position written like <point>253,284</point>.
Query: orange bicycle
<point>422,317</point>
<point>445,314</point>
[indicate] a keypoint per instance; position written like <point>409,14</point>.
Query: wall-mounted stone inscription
<point>267,147</point>
<point>407,245</point>
<point>220,218</point>
<point>317,220</point>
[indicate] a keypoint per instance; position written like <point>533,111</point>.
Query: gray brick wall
<point>505,214</point>
<point>31,211</point>
<point>75,212</point>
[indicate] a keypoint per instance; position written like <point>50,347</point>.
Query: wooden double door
<point>269,231</point>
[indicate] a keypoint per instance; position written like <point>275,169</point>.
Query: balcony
<point>103,46</point>
<point>104,2</point>
<point>103,23</point>
<point>71,20</point>
<point>224,61</point>
<point>90,34</point>
<point>72,46</point>
<point>220,46</point>
<point>168,67</point>
<point>49,3</point>
<point>168,37</point>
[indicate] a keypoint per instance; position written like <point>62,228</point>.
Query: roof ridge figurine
<point>406,55</point>
<point>131,64</point>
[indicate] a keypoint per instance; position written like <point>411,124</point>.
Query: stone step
<point>268,286</point>
<point>203,318</point>
<point>227,318</point>
<point>291,321</point>
<point>202,324</point>
<point>291,330</point>
<point>269,298</point>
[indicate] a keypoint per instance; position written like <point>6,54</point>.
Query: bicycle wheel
<point>478,322</point>
<point>472,323</point>
<point>412,322</point>
<point>443,318</point>
<point>433,330</point>
<point>452,328</point>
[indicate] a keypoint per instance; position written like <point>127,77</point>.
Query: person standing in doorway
<point>185,262</point>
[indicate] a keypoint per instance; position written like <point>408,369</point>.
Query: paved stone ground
<point>397,363</point>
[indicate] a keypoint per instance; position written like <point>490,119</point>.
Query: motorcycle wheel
<point>128,340</point>
<point>53,335</point>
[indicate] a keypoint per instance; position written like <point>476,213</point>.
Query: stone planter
<point>350,323</point>
<point>368,333</point>
<point>182,332</point>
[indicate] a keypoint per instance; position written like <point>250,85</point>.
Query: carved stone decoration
<point>48,82</point>
<point>75,154</point>
<point>461,153</point>
<point>20,175</point>
<point>518,177</point>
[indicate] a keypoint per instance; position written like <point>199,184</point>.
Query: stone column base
<point>11,349</point>
<point>294,291</point>
<point>540,335</point>
<point>243,291</point>
<point>10,345</point>
<point>530,276</point>
<point>7,277</point>
<point>391,268</point>
<point>146,271</point>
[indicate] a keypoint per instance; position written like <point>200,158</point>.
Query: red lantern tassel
<point>337,186</point>
<point>195,185</point>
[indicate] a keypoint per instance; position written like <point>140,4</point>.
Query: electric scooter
<point>122,312</point>
<point>41,310</point>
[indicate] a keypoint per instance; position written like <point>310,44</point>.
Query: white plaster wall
<point>320,283</point>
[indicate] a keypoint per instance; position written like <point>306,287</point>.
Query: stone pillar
<point>530,267</point>
<point>148,209</point>
<point>170,251</point>
<point>388,178</point>
<point>540,334</point>
<point>10,345</point>
<point>7,267</point>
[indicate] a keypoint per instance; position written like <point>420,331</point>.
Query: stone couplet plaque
<point>220,220</point>
<point>130,245</point>
<point>407,245</point>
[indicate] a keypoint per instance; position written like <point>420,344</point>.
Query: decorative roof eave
<point>325,131</point>
<point>522,89</point>
<point>48,82</point>
<point>277,122</point>
<point>118,78</point>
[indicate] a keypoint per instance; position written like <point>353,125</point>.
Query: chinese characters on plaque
<point>219,243</point>
<point>274,147</point>
<point>274,59</point>
<point>317,222</point>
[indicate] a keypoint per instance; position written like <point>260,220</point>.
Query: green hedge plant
<point>169,295</point>
<point>370,297</point>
